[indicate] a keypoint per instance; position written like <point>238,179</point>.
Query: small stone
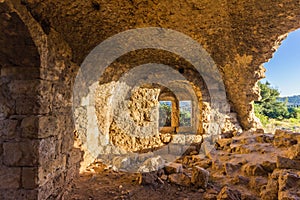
<point>172,168</point>
<point>180,179</point>
<point>229,194</point>
<point>147,178</point>
<point>152,164</point>
<point>121,162</point>
<point>231,167</point>
<point>164,177</point>
<point>200,177</point>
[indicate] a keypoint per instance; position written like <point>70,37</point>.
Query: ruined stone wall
<point>37,158</point>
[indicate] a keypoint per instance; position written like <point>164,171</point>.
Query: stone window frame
<point>175,114</point>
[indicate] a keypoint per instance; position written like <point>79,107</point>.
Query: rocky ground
<point>252,165</point>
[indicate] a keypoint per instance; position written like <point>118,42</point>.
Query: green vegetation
<point>273,112</point>
<point>165,113</point>
<point>185,110</point>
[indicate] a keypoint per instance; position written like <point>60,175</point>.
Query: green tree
<point>268,105</point>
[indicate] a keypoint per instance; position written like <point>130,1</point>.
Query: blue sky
<point>283,70</point>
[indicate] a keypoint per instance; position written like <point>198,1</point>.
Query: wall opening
<point>280,92</point>
<point>165,113</point>
<point>185,113</point>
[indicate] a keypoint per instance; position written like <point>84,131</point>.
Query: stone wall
<point>37,157</point>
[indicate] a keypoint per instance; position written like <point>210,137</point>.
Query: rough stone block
<point>13,194</point>
<point>172,168</point>
<point>8,129</point>
<point>10,177</point>
<point>21,154</point>
<point>294,152</point>
<point>32,106</point>
<point>147,178</point>
<point>47,126</point>
<point>67,142</point>
<point>74,157</point>
<point>29,177</point>
<point>72,172</point>
<point>180,179</point>
<point>20,73</point>
<point>175,149</point>
<point>23,87</point>
<point>162,151</point>
<point>286,163</point>
<point>29,127</point>
<point>50,168</point>
<point>254,170</point>
<point>227,193</point>
<point>47,149</point>
<point>200,177</point>
<point>178,139</point>
<point>189,139</point>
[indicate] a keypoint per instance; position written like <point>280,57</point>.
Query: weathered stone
<point>147,178</point>
<point>74,157</point>
<point>20,154</point>
<point>228,194</point>
<point>204,163</point>
<point>254,170</point>
<point>285,138</point>
<point>289,181</point>
<point>152,164</point>
<point>286,163</point>
<point>268,166</point>
<point>121,162</point>
<point>171,168</point>
<point>231,167</point>
<point>200,177</point>
<point>13,194</point>
<point>178,139</point>
<point>29,177</point>
<point>224,143</point>
<point>258,182</point>
<point>294,152</point>
<point>9,178</point>
<point>175,149</point>
<point>8,129</point>
<point>242,180</point>
<point>190,139</point>
<point>67,142</point>
<point>180,179</point>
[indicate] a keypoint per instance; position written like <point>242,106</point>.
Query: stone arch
<point>19,102</point>
<point>36,144</point>
<point>103,55</point>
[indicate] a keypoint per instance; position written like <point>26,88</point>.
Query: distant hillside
<point>291,101</point>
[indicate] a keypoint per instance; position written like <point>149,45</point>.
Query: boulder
<point>200,177</point>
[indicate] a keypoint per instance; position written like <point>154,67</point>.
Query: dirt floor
<point>250,166</point>
<point>101,184</point>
